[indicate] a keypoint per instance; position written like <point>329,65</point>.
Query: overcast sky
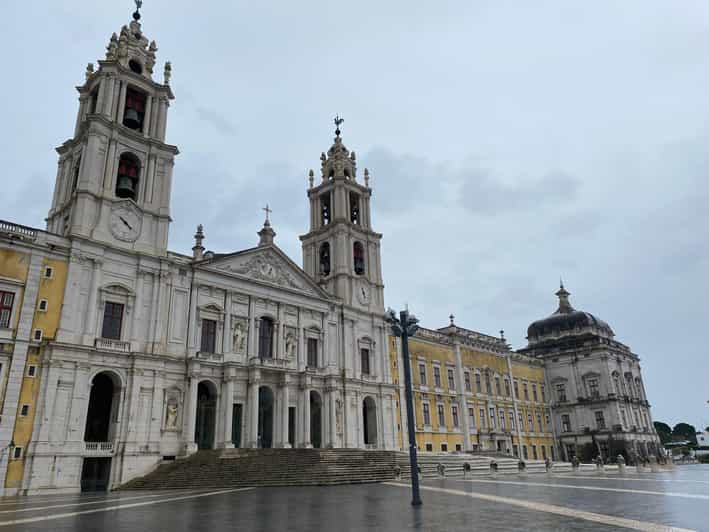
<point>509,144</point>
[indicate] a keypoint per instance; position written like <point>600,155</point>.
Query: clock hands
<point>125,223</point>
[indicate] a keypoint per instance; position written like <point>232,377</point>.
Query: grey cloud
<point>217,120</point>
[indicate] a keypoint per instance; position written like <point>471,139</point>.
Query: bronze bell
<point>125,187</point>
<point>132,119</point>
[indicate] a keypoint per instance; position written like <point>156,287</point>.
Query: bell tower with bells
<point>341,251</point>
<point>114,177</point>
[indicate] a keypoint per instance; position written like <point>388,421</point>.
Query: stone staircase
<point>454,465</point>
<point>270,467</point>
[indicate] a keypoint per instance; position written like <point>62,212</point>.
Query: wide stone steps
<point>270,467</point>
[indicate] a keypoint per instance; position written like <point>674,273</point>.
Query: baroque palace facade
<point>117,354</point>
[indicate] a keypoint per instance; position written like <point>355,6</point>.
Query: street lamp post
<point>403,327</point>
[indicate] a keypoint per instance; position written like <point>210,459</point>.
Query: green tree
<point>664,431</point>
<point>685,431</point>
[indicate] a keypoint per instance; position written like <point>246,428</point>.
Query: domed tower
<point>599,404</point>
<point>341,251</point>
<point>114,176</point>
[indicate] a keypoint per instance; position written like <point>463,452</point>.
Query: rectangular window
<point>265,338</point>
<point>6,300</point>
<point>520,418</point>
<point>544,395</point>
<point>507,387</point>
<point>534,452</point>
<point>436,376</point>
<point>43,305</point>
<point>561,393</point>
<point>488,386</point>
<point>468,387</point>
<point>483,423</point>
<point>516,386</point>
<point>539,423</point>
<point>471,417</point>
<point>441,416</point>
<point>454,415</point>
<point>422,374</point>
<point>492,417</point>
<point>478,385</point>
<point>17,452</point>
<point>38,334</point>
<point>501,415</point>
<point>429,447</point>
<point>444,447</point>
<point>593,389</point>
<point>565,423</point>
<point>48,272</point>
<point>525,387</point>
<point>209,336</point>
<point>534,392</point>
<point>458,447</point>
<point>364,354</point>
<point>600,420</point>
<point>312,352</point>
<point>530,422</point>
<point>498,388</point>
<point>31,371</point>
<point>426,415</point>
<point>451,380</point>
<point>512,419</point>
<point>112,321</point>
<point>25,410</point>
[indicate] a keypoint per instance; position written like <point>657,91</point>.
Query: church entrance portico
<point>206,415</point>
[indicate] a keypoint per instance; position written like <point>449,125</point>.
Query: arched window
<point>325,209</point>
<point>358,255</point>
<point>128,176</point>
<point>134,110</point>
<point>265,338</point>
<point>354,208</point>
<point>325,259</point>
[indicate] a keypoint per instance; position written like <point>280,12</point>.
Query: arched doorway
<point>101,419</point>
<point>265,417</point>
<point>369,419</point>
<point>315,419</point>
<point>206,410</point>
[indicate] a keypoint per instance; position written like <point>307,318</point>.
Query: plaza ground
<point>648,501</point>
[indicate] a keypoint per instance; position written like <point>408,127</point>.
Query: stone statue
<point>239,337</point>
<point>171,417</point>
<point>290,345</point>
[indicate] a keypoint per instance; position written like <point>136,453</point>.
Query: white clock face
<point>363,293</point>
<point>125,223</point>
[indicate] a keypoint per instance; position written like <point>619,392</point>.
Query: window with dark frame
<point>451,380</point>
<point>441,415</point>
<point>422,375</point>
<point>112,321</point>
<point>565,423</point>
<point>358,256</point>
<point>6,301</point>
<point>209,336</point>
<point>426,414</point>
<point>354,208</point>
<point>436,376</point>
<point>454,415</point>
<point>364,355</point>
<point>468,387</point>
<point>265,338</point>
<point>312,352</point>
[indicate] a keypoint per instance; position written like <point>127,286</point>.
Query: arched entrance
<point>315,419</point>
<point>265,417</point>
<point>101,418</point>
<point>206,415</point>
<point>369,419</point>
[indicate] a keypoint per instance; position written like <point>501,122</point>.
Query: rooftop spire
<point>338,122</point>
<point>136,13</point>
<point>564,305</point>
<point>266,234</point>
<point>198,248</point>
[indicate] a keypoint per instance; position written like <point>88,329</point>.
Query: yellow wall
<point>52,290</point>
<point>15,265</point>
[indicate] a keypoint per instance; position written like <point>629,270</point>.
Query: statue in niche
<point>171,414</point>
<point>239,337</point>
<point>290,345</point>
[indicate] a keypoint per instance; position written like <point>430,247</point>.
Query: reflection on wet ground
<point>649,501</point>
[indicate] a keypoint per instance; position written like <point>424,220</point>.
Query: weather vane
<point>338,123</point>
<point>268,211</point>
<point>138,5</point>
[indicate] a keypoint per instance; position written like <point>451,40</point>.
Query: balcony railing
<point>98,447</point>
<point>205,355</point>
<point>112,345</point>
<point>21,231</point>
<point>280,363</point>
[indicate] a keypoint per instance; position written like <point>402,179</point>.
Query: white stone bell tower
<point>114,177</point>
<point>341,251</point>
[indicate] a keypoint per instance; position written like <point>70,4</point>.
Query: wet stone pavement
<point>649,501</point>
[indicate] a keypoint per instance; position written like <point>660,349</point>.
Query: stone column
<point>306,415</point>
<point>284,411</point>
<point>121,102</point>
<point>251,344</point>
<point>252,405</point>
<point>332,394</point>
<point>191,444</point>
<point>227,337</point>
<point>228,400</point>
<point>137,313</point>
<point>108,102</point>
<point>146,117</point>
<point>89,329</point>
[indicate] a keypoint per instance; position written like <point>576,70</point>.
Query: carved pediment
<point>268,266</point>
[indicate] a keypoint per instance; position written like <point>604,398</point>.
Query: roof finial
<point>138,5</point>
<point>563,295</point>
<point>338,123</point>
<point>198,248</point>
<point>268,211</point>
<point>452,318</point>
